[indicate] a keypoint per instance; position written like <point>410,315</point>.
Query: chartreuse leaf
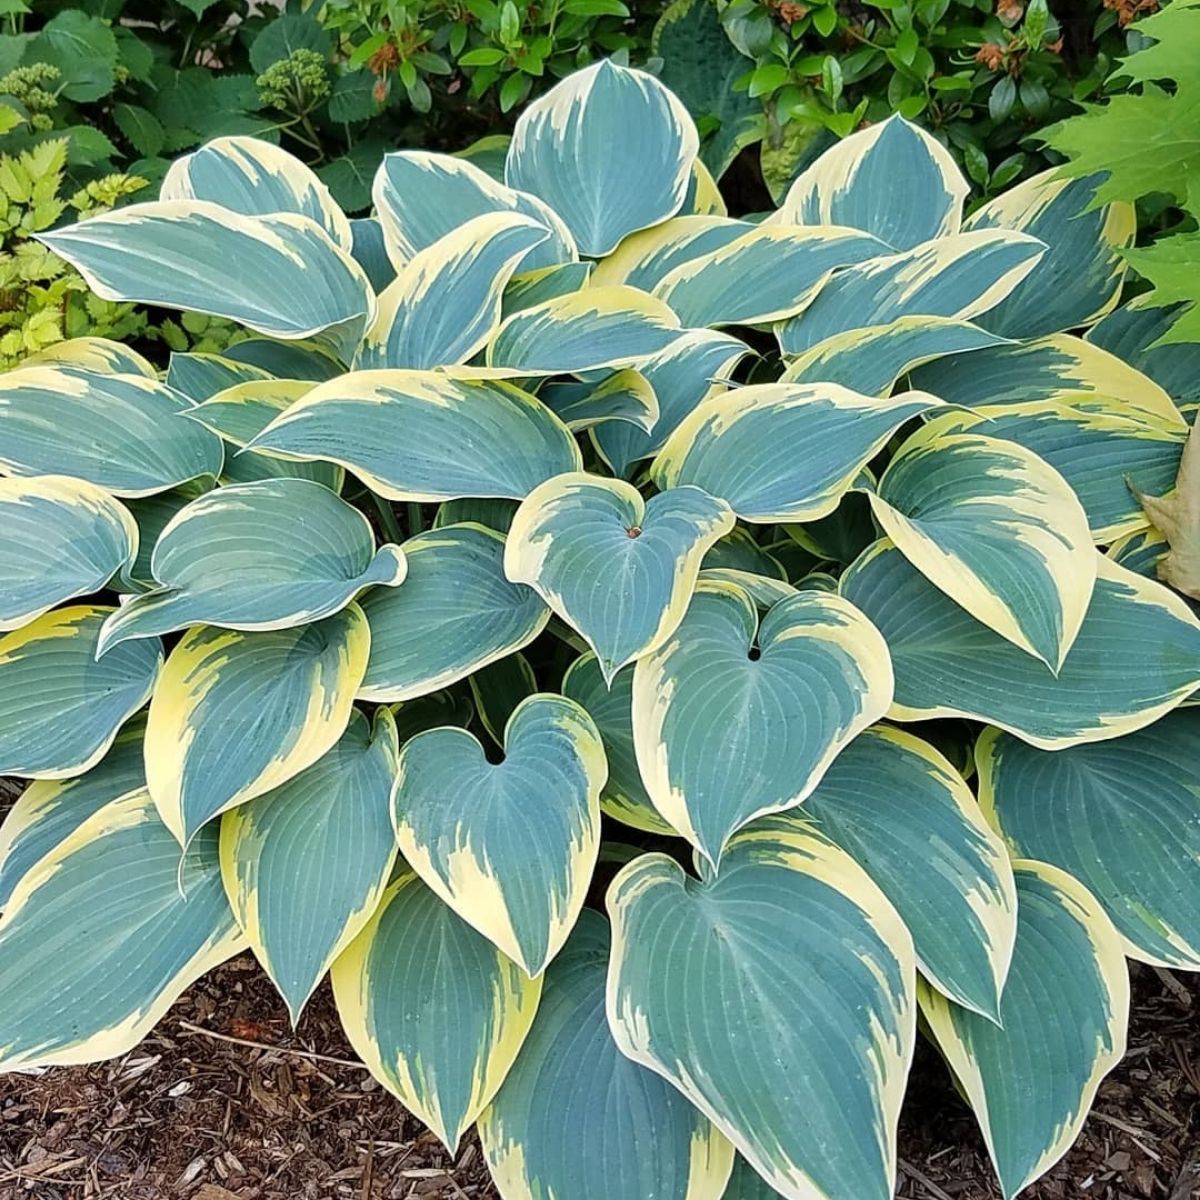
<point>712,986</point>
<point>625,396</point>
<point>961,277</point>
<point>615,567</point>
<point>99,354</point>
<point>436,1012</point>
<point>266,555</point>
<point>1031,1079</point>
<point>782,452</point>
<point>279,275</point>
<point>898,807</point>
<point>1079,279</point>
<point>455,614</point>
<point>118,432</point>
<point>997,529</point>
<point>871,360</point>
<point>104,933</point>
<point>444,303</point>
<point>426,436</point>
<point>609,704</point>
<point>306,864</point>
<point>257,179</point>
<point>892,179</point>
<point>576,1118</point>
<point>768,274</point>
<point>237,714</point>
<point>1136,656</point>
<point>60,708</point>
<point>421,196</point>
<point>1123,817</point>
<point>644,259</point>
<point>59,538</point>
<point>510,846</point>
<point>50,810</point>
<point>733,719</point>
<point>609,149</point>
<point>597,327</point>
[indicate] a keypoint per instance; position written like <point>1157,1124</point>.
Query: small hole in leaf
<point>493,753</point>
<point>755,654</point>
<point>634,531</point>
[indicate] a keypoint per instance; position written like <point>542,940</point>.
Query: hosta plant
<point>643,656</point>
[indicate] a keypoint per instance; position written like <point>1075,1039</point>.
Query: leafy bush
<point>492,526</point>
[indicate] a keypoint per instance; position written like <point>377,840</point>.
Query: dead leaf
<point>1177,518</point>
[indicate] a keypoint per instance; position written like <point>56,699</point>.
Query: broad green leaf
<point>498,688</point>
<point>1123,817</point>
<point>747,1184</point>
<point>426,436</point>
<point>712,986</point>
<point>255,556</point>
<point>445,301</point>
<point>615,567</point>
<point>1136,657</point>
<point>415,956</point>
<point>491,514</point>
<point>995,528</point>
<point>369,249</point>
<point>1032,1078</point>
<point>898,807</point>
<point>256,179</point>
<point>626,396</point>
<point>118,432</point>
<point>1079,278</point>
<point>153,514</point>
<point>782,452</point>
<point>609,149</point>
<point>306,864</point>
<point>97,354</point>
<point>733,719</point>
<point>287,360</point>
<point>961,277</point>
<point>576,1118</point>
<point>892,179</point>
<point>738,551</point>
<point>510,846</point>
<point>200,376</point>
<point>237,714</point>
<point>60,708</point>
<point>644,259</point>
<point>104,934</point>
<point>455,613</point>
<point>59,538</point>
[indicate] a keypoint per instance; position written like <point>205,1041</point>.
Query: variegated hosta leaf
<point>765,590</point>
<point>421,196</point>
<point>782,452</point>
<point>712,985</point>
<point>617,568</point>
<point>892,179</point>
<point>747,1184</point>
<point>1123,817</point>
<point>609,704</point>
<point>1136,656</point>
<point>445,302</point>
<point>1061,367</point>
<point>455,613</point>
<point>496,515</point>
<point>871,360</point>
<point>583,331</point>
<point>368,248</point>
<point>60,708</point>
<point>995,528</point>
<point>703,197</point>
<point>768,274</point>
<point>280,275</point>
<point>153,514</point>
<point>696,363</point>
<point>732,720</point>
<point>432,712</point>
<point>426,435</point>
<point>609,149</point>
<point>48,811</point>
<point>59,538</point>
<point>237,714</point>
<point>199,375</point>
<point>738,551</point>
<point>1141,552</point>
<point>119,432</point>
<point>510,846</point>
<point>898,807</point>
<point>307,864</point>
<point>1080,277</point>
<point>266,555</point>
<point>1032,1078</point>
<point>436,1012</point>
<point>99,354</point>
<point>961,276</point>
<point>626,396</point>
<point>498,689</point>
<point>530,288</point>
<point>576,1119</point>
<point>103,935</point>
<point>257,179</point>
<point>287,360</point>
<point>644,259</point>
